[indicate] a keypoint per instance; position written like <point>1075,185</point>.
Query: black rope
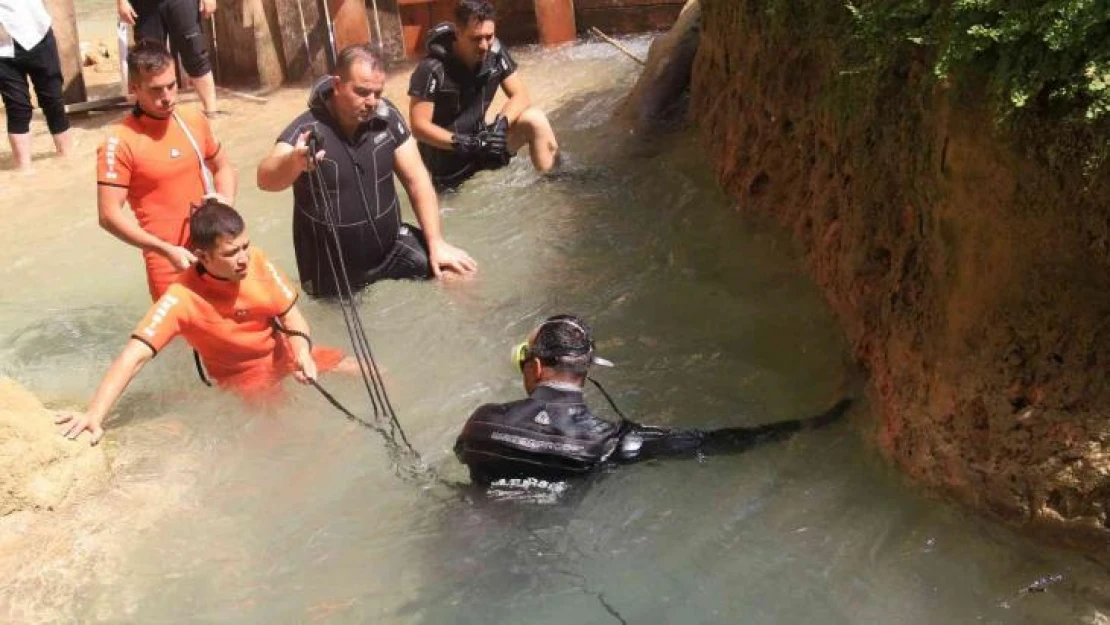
<point>315,384</point>
<point>609,399</point>
<point>200,369</point>
<point>364,355</point>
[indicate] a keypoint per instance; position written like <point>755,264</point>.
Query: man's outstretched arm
<point>414,176</point>
<point>123,369</point>
<point>644,442</point>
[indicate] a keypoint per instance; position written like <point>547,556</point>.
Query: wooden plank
<point>232,48</point>
<point>393,41</point>
<point>273,28</point>
<point>63,18</point>
<point>98,105</point>
<point>301,63</point>
<point>266,55</point>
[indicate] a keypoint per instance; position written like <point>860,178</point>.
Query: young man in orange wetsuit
<point>227,306</point>
<point>153,161</point>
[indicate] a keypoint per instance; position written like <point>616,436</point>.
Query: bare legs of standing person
<point>206,90</point>
<point>21,148</point>
<point>42,66</point>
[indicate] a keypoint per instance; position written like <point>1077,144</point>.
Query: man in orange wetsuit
<point>161,161</point>
<point>234,306</point>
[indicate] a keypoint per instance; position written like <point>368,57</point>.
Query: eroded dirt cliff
<point>970,264</point>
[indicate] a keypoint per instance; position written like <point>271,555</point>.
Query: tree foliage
<point>1049,56</point>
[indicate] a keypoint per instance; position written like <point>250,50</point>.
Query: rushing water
<point>221,515</point>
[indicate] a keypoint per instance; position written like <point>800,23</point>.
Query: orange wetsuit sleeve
<point>281,290</point>
<point>113,162</point>
<point>163,321</point>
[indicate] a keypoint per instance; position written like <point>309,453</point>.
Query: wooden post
<point>349,18</point>
<point>234,27</point>
<point>555,21</point>
<point>301,64</point>
<point>64,22</point>
<point>393,42</point>
<point>267,54</point>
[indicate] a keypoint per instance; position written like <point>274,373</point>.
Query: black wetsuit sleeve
<point>645,442</point>
<point>508,65</point>
<point>426,79</point>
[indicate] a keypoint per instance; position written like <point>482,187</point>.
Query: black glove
<point>489,149</point>
<point>468,146</point>
<point>500,126</point>
<point>496,155</point>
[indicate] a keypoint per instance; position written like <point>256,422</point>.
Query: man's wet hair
<point>210,221</point>
<point>358,53</point>
<point>564,343</point>
<point>479,10</point>
<point>147,57</point>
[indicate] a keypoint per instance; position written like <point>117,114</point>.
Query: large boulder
<point>662,91</point>
<point>39,469</point>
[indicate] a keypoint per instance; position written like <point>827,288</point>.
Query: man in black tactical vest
<point>552,435</point>
<point>453,87</point>
<point>340,156</point>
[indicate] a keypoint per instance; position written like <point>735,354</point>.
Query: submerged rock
<point>39,470</point>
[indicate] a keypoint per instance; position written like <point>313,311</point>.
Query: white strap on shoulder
<point>205,173</point>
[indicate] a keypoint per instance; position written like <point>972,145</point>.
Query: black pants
<point>407,260</point>
<point>180,20</point>
<point>42,66</point>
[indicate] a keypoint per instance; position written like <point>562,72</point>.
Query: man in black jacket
<point>451,90</point>
<point>552,435</point>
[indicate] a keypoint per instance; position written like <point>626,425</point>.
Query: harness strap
<point>200,369</point>
<point>205,174</point>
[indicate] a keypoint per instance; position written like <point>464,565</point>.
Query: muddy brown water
<point>217,514</point>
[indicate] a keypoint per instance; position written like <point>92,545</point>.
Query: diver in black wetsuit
<point>553,436</point>
<point>451,90</point>
<point>361,140</point>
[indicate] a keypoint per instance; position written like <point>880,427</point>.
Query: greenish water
<point>294,516</point>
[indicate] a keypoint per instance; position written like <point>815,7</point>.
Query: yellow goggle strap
<point>520,355</point>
